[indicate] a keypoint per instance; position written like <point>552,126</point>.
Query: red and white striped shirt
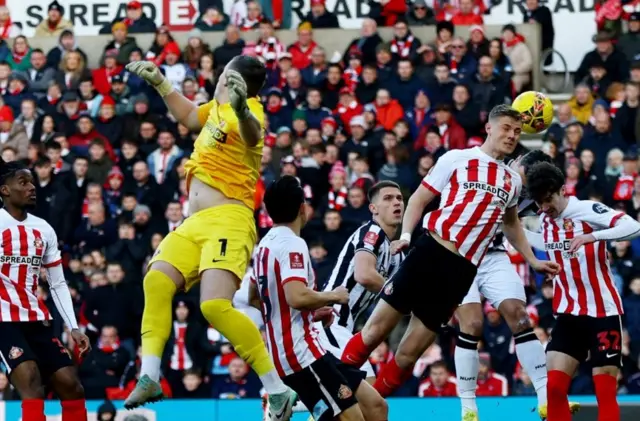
<point>292,339</point>
<point>584,286</point>
<point>26,247</point>
<point>475,191</point>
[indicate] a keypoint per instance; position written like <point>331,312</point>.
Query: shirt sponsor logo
<point>21,260</point>
<point>500,193</point>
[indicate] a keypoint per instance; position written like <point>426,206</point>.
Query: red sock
<point>356,352</point>
<point>33,409</point>
<point>606,390</point>
<point>74,410</point>
<point>558,383</point>
<point>391,377</point>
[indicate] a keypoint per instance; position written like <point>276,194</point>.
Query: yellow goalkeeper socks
<point>240,331</point>
<point>159,290</point>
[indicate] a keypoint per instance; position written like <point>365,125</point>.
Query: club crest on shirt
<point>371,238</point>
<point>568,225</point>
<point>344,392</point>
<point>296,261</point>
<point>507,181</point>
<point>38,243</point>
<point>15,353</point>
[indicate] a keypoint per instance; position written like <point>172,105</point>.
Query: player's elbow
<point>367,279</point>
<point>298,300</point>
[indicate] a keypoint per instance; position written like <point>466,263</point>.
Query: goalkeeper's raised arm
<point>183,109</point>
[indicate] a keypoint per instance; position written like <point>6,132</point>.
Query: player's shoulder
<point>577,206</point>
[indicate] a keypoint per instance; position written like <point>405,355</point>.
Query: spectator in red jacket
<point>489,382</point>
<point>86,133</point>
<point>388,111</point>
<point>302,48</point>
<point>452,133</point>
<point>102,76</point>
<point>439,383</point>
<point>392,10</point>
<point>467,14</point>
<point>348,107</point>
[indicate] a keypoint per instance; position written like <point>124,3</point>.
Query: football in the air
<point>536,110</point>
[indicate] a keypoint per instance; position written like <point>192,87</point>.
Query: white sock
<point>467,362</point>
<point>151,367</point>
<point>272,383</point>
<point>533,360</point>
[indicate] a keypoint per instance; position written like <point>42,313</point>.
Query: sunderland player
<point>364,265</point>
<point>31,353</point>
<point>499,283</point>
<point>585,299</point>
<point>284,282</point>
<point>479,193</point>
<point>214,244</point>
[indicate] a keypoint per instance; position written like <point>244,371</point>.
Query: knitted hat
<point>299,114</point>
<point>107,100</point>
<point>337,168</point>
<point>119,25</point>
<point>330,121</point>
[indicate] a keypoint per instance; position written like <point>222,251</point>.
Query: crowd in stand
<point>109,161</point>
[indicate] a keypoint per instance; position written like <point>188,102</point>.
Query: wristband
<point>164,88</point>
<point>406,237</point>
<point>244,113</point>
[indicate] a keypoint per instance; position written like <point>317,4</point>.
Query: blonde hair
<point>81,63</point>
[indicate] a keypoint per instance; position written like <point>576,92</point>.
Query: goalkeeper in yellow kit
<point>215,242</point>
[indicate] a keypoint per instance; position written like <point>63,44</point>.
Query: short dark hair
<point>37,50</point>
<point>439,364</point>
<point>534,157</point>
<point>543,179</point>
<point>376,188</point>
<point>253,72</point>
<point>283,199</point>
<point>504,110</point>
<point>42,161</point>
<point>8,170</point>
<point>81,158</point>
<point>320,148</point>
<point>52,144</point>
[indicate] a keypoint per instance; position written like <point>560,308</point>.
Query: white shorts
<point>340,336</point>
<point>497,280</point>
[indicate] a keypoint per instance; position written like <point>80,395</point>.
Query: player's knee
<point>28,383</point>
<point>380,408</point>
<point>215,307</point>
<point>406,359</point>
<point>471,327</point>
<point>73,391</point>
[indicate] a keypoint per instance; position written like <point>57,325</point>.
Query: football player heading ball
<point>536,110</point>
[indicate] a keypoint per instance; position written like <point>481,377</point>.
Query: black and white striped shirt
<point>372,239</point>
<point>526,207</point>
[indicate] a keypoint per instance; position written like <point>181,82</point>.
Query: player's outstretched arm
<point>412,214</point>
<point>301,297</point>
<point>248,124</point>
<point>64,304</point>
<point>185,111</point>
<point>514,232</point>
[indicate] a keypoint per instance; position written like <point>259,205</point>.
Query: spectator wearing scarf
<point>8,29</point>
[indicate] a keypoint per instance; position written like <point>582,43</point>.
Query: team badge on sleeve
<point>600,208</point>
<point>15,353</point>
<point>371,238</point>
<point>296,261</point>
<point>344,392</point>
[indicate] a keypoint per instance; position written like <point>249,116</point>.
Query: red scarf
<point>18,57</point>
<point>515,41</point>
<point>274,109</point>
<point>127,22</point>
<point>339,201</point>
<point>419,114</point>
<point>6,29</point>
<point>624,187</point>
<point>402,48</point>
<point>85,208</point>
<point>570,187</point>
<point>352,77</point>
<point>109,349</point>
<point>610,10</point>
<point>453,65</point>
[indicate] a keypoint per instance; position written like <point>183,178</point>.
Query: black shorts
<point>32,341</point>
<point>430,283</point>
<point>581,336</point>
<point>327,387</point>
